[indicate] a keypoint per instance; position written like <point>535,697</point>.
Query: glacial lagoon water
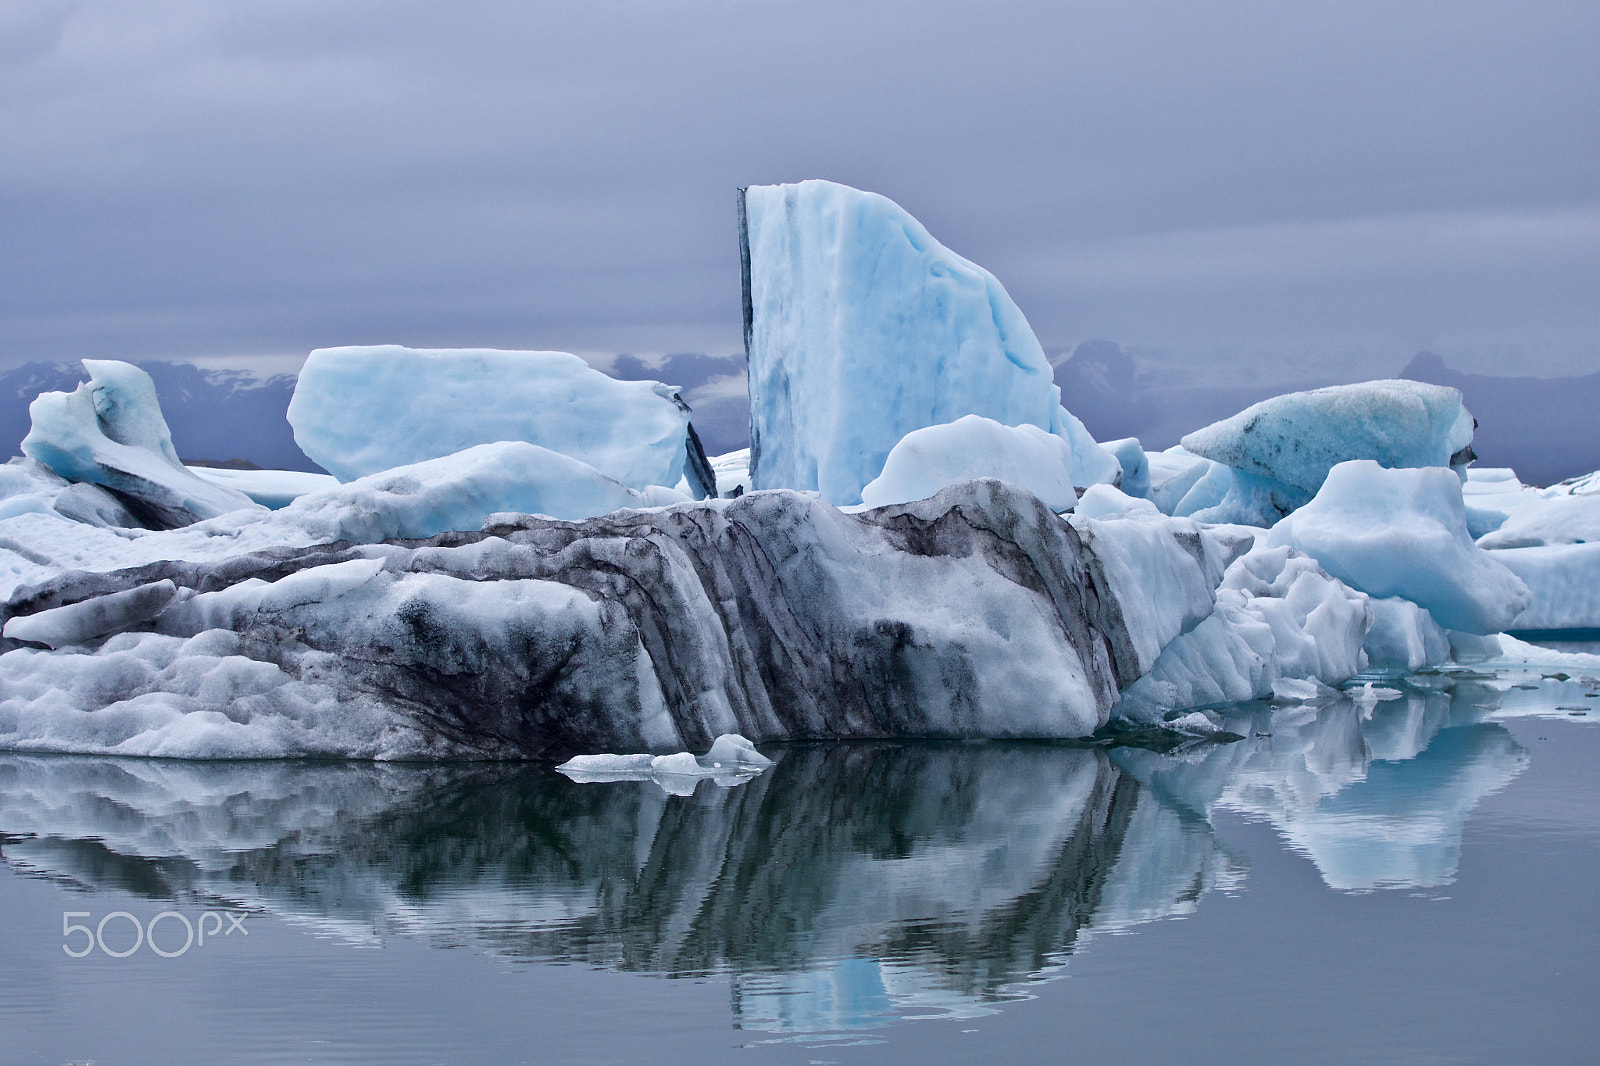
<point>1409,879</point>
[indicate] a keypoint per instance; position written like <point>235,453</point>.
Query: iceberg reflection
<point>1375,794</point>
<point>850,885</point>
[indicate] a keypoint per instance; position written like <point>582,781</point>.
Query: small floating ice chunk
<point>730,749</point>
<point>731,760</point>
<point>1194,723</point>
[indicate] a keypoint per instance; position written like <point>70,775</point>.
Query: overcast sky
<point>1240,185</point>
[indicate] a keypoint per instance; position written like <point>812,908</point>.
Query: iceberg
<point>1565,584</point>
<point>1172,474</point>
<point>110,432</point>
<point>1404,637</point>
<point>28,486</point>
<point>1130,456</point>
<point>1280,621</point>
<point>861,327</point>
<point>1546,521</point>
<point>1404,533</point>
<point>360,410</point>
<point>936,457</point>
<point>1295,439</point>
<point>977,613</point>
<point>732,760</point>
<point>269,488</point>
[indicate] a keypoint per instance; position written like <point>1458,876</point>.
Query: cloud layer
<point>266,176</point>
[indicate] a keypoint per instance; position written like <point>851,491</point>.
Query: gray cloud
<point>191,178</point>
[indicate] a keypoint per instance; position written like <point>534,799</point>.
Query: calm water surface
<point>1408,880</point>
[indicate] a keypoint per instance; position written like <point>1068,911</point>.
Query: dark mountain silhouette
<point>1544,428</point>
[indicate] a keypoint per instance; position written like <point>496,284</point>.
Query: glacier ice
<point>1278,617</point>
<point>1549,520</point>
<point>269,488</point>
<point>1135,466</point>
<point>28,486</point>
<point>732,471</point>
<point>978,613</point>
<point>1564,580</point>
<point>1295,439</point>
<point>110,432</point>
<point>861,327</point>
<point>1224,494</point>
<point>1105,501</point>
<point>1404,637</point>
<point>1403,533</point>
<point>935,457</point>
<point>1172,474</point>
<point>359,410</point>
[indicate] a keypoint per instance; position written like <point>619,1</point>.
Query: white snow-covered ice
<point>934,457</point>
<point>1547,520</point>
<point>1565,583</point>
<point>269,488</point>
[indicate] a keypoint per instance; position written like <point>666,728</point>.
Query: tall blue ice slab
<point>861,327</point>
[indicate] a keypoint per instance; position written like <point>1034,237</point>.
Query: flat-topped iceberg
<point>1404,533</point>
<point>1295,439</point>
<point>110,432</point>
<point>359,410</point>
<point>861,327</point>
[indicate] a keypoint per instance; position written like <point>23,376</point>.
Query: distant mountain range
<point>1545,428</point>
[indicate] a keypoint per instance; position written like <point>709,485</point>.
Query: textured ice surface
<point>110,432</point>
<point>1173,473</point>
<point>1135,465</point>
<point>28,486</point>
<point>935,457</point>
<point>1297,438</point>
<point>270,488</point>
<point>197,698</point>
<point>1545,520</point>
<point>1225,494</point>
<point>1565,582</point>
<point>1278,617</point>
<point>360,410</point>
<point>1403,533</point>
<point>978,613</point>
<point>863,328</point>
<point>1404,637</point>
<point>455,492</point>
<point>1161,573</point>
<point>1104,501</point>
